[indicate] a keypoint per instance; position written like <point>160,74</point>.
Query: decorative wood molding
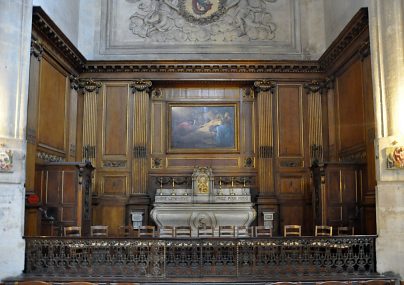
<point>157,94</point>
<point>318,86</point>
<point>139,151</point>
<point>31,136</point>
<point>358,157</point>
<point>266,151</point>
<point>50,157</point>
<point>265,85</point>
<point>114,163</point>
<point>140,85</point>
<point>85,85</point>
<point>291,163</point>
<point>248,93</point>
<point>72,149</point>
<point>36,49</point>
<point>364,50</point>
<point>347,37</point>
<point>157,163</point>
<point>42,24</point>
<point>249,162</point>
<point>89,152</point>
<point>204,67</point>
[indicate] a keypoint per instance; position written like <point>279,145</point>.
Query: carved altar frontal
<point>203,204</point>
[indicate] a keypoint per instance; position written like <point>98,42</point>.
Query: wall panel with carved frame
<point>198,94</point>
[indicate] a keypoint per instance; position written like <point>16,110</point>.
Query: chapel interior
<point>214,142</point>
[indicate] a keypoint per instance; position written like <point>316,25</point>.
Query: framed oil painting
<point>203,128</point>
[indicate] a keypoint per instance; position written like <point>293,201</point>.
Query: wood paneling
<point>290,121</point>
<point>291,184</point>
<point>115,120</point>
<point>114,184</point>
<point>158,127</point>
<point>351,107</point>
<point>190,163</point>
<point>52,107</point>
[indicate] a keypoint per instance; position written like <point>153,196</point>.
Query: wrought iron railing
<point>349,257</point>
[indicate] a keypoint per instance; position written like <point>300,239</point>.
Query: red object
<point>33,199</point>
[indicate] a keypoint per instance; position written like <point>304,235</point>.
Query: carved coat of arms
<point>201,11</point>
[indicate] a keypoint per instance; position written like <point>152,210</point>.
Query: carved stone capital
<point>36,49</point>
<point>141,85</point>
<point>265,85</point>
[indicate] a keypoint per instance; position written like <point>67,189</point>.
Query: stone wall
<point>15,37</point>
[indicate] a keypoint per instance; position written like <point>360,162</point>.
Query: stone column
<point>387,51</point>
<point>15,39</point>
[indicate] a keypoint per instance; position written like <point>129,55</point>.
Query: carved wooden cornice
<point>349,35</point>
<point>204,67</point>
<point>42,24</point>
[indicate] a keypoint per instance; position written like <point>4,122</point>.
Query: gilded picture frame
<point>203,128</point>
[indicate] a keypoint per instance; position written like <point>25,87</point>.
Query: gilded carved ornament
<point>316,86</point>
<point>141,85</point>
<point>36,49</point>
<point>264,86</point>
<point>84,85</point>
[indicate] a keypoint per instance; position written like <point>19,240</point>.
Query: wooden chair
<point>323,231</point>
<point>125,231</point>
<point>99,231</point>
<point>206,231</point>
<point>72,231</point>
<point>166,232</point>
<point>243,231</point>
<point>262,231</point>
<point>345,231</point>
<point>292,230</point>
<point>183,231</point>
<point>146,231</point>
<point>226,231</point>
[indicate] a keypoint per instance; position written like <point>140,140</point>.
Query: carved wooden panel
<point>291,184</point>
<point>158,128</point>
<point>72,146</point>
<point>115,120</point>
<point>290,121</point>
<point>111,215</point>
<point>114,184</point>
<point>52,107</point>
<point>190,163</point>
<point>350,107</point>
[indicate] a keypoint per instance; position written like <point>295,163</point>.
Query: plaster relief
<point>172,21</point>
<point>185,29</point>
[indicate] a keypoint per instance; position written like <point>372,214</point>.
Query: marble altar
<point>203,204</point>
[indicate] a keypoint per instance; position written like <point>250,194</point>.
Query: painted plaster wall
<point>337,14</point>
<point>65,13</point>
